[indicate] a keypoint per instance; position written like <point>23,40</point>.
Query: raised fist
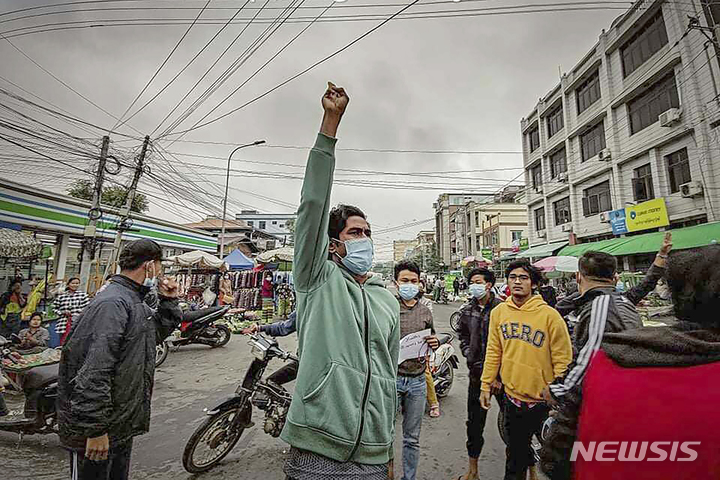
<point>335,100</point>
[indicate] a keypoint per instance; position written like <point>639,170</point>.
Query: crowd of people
<point>612,379</point>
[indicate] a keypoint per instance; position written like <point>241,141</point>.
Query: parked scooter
<point>219,433</point>
<point>40,389</point>
<point>197,327</point>
<point>443,363</point>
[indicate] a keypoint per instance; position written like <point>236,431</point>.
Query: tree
<point>433,262</point>
<point>112,196</point>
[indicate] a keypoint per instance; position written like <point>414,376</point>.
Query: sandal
<point>435,411</point>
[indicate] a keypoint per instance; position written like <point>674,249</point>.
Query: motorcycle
<point>39,386</point>
<point>197,327</point>
<point>443,363</point>
<point>219,433</point>
<point>443,297</point>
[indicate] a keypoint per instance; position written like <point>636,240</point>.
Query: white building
<point>445,207</point>
<point>275,224</point>
<point>634,120</point>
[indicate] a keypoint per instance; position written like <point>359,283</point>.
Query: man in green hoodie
<point>341,422</point>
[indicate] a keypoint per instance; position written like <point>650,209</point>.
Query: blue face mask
<point>478,290</point>
<point>359,256</point>
<point>408,291</point>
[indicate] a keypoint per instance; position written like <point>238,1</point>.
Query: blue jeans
<point>411,392</point>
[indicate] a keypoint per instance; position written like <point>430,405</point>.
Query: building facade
<point>445,207</point>
<point>635,120</point>
<point>276,224</point>
<point>403,249</point>
<point>478,227</point>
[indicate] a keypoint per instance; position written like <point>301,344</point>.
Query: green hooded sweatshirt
<point>349,338</point>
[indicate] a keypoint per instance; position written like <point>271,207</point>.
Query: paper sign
<point>413,346</point>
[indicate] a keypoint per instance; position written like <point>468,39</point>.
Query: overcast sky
<point>458,84</point>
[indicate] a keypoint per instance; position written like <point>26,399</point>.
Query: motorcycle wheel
<point>450,378</point>
<point>223,336</point>
<point>161,353</point>
<point>455,322</point>
<point>218,438</point>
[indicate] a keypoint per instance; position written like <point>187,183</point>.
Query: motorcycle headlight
<point>258,352</point>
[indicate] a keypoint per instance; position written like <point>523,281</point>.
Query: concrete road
<point>197,377</point>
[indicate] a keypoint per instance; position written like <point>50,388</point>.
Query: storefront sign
<point>524,244</point>
<point>487,253</point>
<point>617,222</point>
<point>646,215</point>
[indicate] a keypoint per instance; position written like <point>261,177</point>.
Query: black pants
<point>116,467</point>
<point>476,418</point>
<point>285,374</point>
<point>521,423</point>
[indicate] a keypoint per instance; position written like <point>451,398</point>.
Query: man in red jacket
<point>647,409</point>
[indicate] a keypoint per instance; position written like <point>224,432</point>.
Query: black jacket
<point>473,332</point>
<point>599,311</point>
<point>107,366</point>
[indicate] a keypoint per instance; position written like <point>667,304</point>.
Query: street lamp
<point>227,185</point>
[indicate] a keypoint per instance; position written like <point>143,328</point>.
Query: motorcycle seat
<point>444,338</point>
<point>192,317</point>
<point>40,377</point>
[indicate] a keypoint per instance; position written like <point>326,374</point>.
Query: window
<point>494,238</point>
<point>540,218</point>
<point>678,169</point>
<point>282,225</point>
<point>646,109</point>
<point>250,223</point>
<point>534,139</point>
<point>555,121</point>
<point>642,184</point>
<point>562,211</point>
<point>643,45</point>
<point>536,175</point>
<point>274,222</point>
<point>592,141</point>
<point>558,163</point>
<point>477,218</point>
<point>596,199</point>
<point>516,234</point>
<point>588,92</point>
<point>478,243</point>
<point>263,225</point>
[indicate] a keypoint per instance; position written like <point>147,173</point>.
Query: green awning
<point>688,237</point>
<point>544,250</point>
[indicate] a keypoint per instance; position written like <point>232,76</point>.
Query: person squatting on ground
<point>528,346</point>
<point>411,383</point>
<point>341,419</point>
<point>473,332</point>
<point>651,384</point>
<point>107,366</point>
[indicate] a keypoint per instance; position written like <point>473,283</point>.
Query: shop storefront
<point>58,221</point>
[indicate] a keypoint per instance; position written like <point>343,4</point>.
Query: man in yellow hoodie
<point>529,346</point>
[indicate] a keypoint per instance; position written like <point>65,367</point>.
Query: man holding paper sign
<point>417,338</point>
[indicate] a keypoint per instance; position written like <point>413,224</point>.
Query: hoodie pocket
<point>380,412</point>
<point>524,380</point>
<point>333,406</point>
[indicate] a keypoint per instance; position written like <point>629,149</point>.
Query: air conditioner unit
<point>541,234</point>
<point>691,189</point>
<point>670,117</point>
<point>604,155</point>
<point>562,177</point>
<point>605,217</point>
<point>567,227</point>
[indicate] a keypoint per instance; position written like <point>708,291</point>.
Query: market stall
<point>198,273</point>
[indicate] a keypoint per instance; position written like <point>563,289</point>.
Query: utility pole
<point>89,243</point>
<point>125,210</point>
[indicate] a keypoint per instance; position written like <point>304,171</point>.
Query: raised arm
<point>656,272</point>
<point>311,237</point>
